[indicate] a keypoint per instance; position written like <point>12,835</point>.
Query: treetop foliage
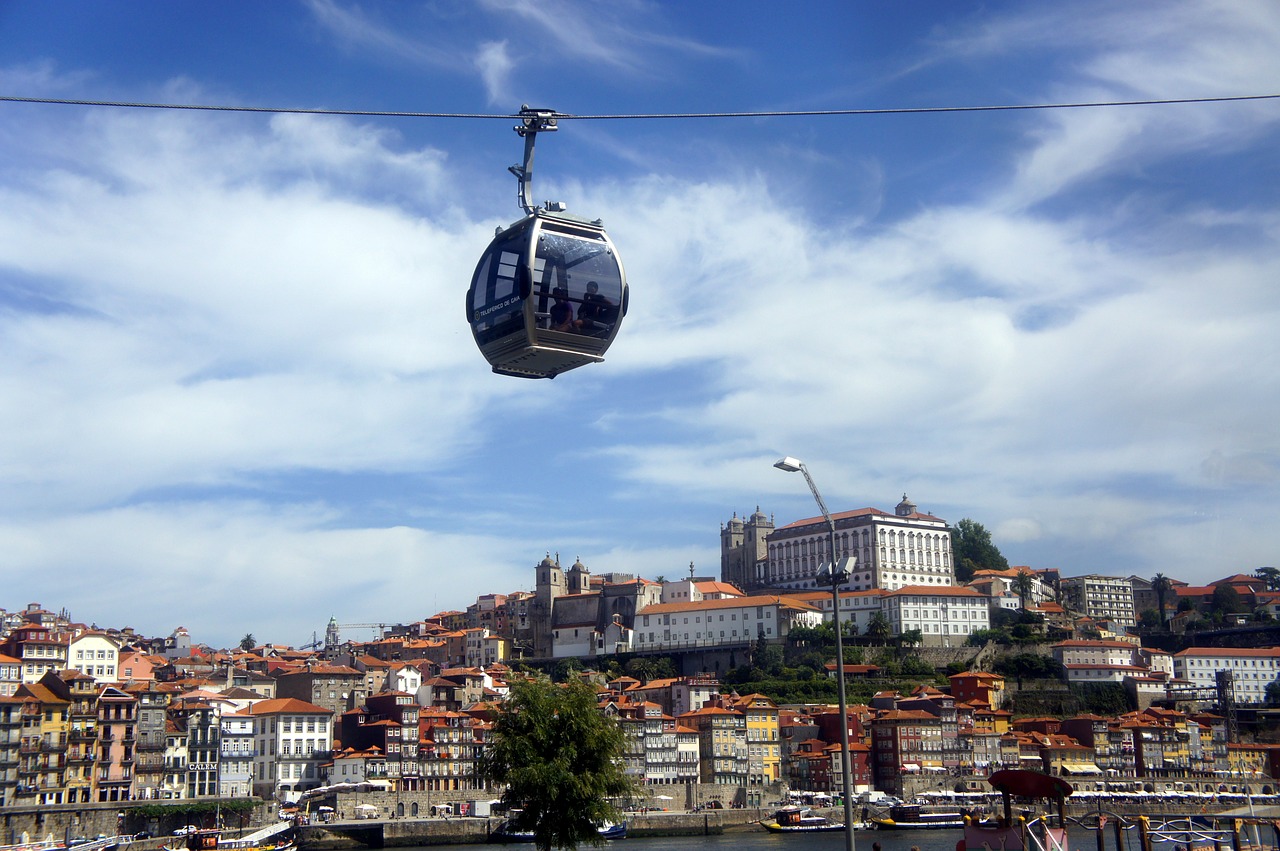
<point>560,760</point>
<point>972,550</point>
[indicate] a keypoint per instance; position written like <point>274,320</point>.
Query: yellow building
<point>42,751</point>
<point>763,738</point>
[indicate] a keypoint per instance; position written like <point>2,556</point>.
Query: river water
<point>888,840</point>
<point>760,840</point>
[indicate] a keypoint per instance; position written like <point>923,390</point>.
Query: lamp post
<point>836,574</point>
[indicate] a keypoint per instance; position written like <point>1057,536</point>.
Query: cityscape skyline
<point>240,390</point>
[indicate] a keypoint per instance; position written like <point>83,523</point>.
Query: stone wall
<point>87,821</point>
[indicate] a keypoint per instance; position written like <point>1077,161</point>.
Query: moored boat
<point>916,817</point>
<point>211,840</point>
<point>506,832</point>
<point>793,819</point>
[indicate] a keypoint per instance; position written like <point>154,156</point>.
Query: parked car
<point>142,834</point>
<point>185,829</point>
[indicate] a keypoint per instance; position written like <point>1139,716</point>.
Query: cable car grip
<point>532,122</point>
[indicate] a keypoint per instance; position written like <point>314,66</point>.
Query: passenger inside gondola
<point>561,311</point>
<point>596,314</point>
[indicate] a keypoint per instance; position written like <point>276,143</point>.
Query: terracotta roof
<point>731,603</point>
<point>934,591</point>
<point>718,588</point>
<point>1230,651</point>
<point>286,705</point>
<point>1084,644</point>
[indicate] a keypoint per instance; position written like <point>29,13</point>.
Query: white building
<point>692,590</point>
<point>1101,597</point>
<point>353,766</point>
<point>890,551</point>
<point>291,738</point>
<point>10,675</point>
<point>945,616</point>
<point>1252,669</point>
<point>1081,652</point>
<point>1103,661</point>
<point>95,654</point>
<point>235,755</point>
<point>402,676</point>
<point>712,623</point>
<point>856,607</point>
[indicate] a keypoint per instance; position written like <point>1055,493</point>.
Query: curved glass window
<point>577,285</point>
<point>495,291</point>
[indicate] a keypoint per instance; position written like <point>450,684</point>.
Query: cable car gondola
<point>549,293</point>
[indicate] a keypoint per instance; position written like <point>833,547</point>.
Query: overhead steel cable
<point>374,113</point>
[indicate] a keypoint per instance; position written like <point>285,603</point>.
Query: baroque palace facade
<point>890,551</point>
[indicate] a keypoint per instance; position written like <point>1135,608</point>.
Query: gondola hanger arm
<point>532,122</point>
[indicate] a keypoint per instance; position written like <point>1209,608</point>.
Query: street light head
<point>790,465</point>
<point>839,576</point>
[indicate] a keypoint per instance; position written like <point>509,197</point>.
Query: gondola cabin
<point>548,295</point>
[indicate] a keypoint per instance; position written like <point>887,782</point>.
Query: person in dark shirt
<point>561,311</point>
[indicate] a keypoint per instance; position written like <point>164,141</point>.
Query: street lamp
<point>836,573</point>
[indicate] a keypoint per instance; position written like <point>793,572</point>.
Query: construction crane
<point>333,632</point>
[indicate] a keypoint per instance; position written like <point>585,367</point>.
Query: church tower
<point>579,578</point>
<point>744,546</point>
<point>549,584</point>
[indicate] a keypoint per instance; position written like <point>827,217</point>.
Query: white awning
<point>1081,768</point>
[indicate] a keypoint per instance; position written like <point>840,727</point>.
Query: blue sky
<point>239,394</point>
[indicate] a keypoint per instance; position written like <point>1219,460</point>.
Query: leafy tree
<point>1023,633</point>
<point>769,657</point>
<point>914,666</point>
<point>1226,600</point>
<point>878,627</point>
<point>1150,619</point>
<point>560,759</point>
<point>1273,692</point>
<point>911,638</point>
<point>972,549</point>
<point>979,637</point>
<point>1269,575</point>
<point>248,642</point>
<point>565,669</point>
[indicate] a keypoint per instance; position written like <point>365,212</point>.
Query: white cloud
<point>494,64</point>
<point>192,309</point>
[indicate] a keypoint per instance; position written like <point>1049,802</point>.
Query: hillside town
<point>937,654</point>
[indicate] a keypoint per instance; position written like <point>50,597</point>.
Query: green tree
<point>1226,601</point>
<point>770,658</point>
<point>911,638</point>
<point>1162,586</point>
<point>1149,619</point>
<point>1023,585</point>
<point>560,760</point>
<point>878,627</point>
<point>248,642</point>
<point>1269,575</point>
<point>972,550</point>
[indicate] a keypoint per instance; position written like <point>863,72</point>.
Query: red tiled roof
<point>934,590</point>
<point>286,705</point>
<point>1229,651</point>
